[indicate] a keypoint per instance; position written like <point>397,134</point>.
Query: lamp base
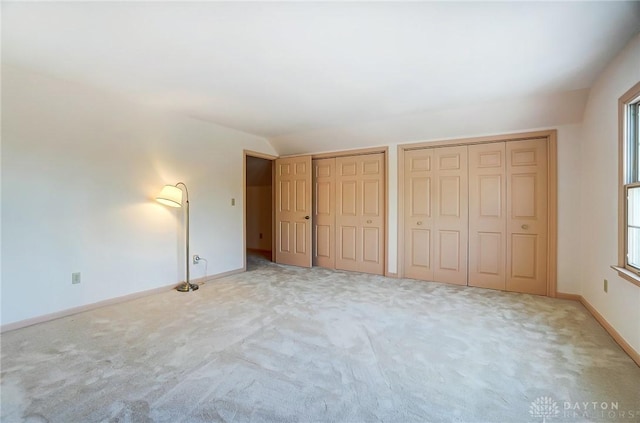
<point>186,287</point>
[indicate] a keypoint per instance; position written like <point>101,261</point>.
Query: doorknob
<point>306,217</point>
<point>369,221</point>
<point>419,223</point>
<point>525,226</point>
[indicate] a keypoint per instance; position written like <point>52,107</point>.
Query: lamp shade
<point>170,196</point>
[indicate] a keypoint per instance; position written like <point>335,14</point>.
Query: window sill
<point>627,274</point>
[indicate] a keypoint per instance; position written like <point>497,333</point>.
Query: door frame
<point>265,156</point>
<point>552,185</point>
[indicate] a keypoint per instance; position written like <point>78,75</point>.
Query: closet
<point>478,215</point>
<point>349,213</point>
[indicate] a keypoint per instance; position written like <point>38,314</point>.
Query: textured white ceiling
<point>281,69</point>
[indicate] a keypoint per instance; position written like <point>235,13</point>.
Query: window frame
<point>628,168</point>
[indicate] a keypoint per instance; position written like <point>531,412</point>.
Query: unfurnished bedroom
<point>320,212</point>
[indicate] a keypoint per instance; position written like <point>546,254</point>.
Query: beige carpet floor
<point>283,344</point>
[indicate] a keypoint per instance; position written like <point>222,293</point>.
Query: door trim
<point>518,136</point>
<point>552,191</point>
<point>356,152</point>
<point>259,155</point>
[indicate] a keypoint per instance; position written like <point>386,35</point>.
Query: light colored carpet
<point>285,344</point>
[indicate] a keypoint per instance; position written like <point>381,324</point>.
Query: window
<point>629,233</point>
<point>632,185</point>
<point>633,227</point>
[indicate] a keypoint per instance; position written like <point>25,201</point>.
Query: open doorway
<point>258,207</point>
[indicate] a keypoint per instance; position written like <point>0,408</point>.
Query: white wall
<point>569,260</point>
<point>471,119</point>
<point>80,169</point>
<point>599,198</point>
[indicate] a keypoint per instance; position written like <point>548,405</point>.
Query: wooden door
<point>293,211</point>
<point>324,213</point>
<point>487,215</point>
<point>527,224</point>
<point>418,216</point>
<point>360,213</point>
<point>372,222</point>
<point>451,215</point>
<point>436,214</point>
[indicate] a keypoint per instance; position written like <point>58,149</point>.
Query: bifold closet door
<point>451,217</point>
<point>483,222</point>
<point>418,217</point>
<point>436,214</point>
<point>527,220</point>
<point>487,215</point>
<point>360,213</point>
<point>324,213</point>
<point>508,216</point>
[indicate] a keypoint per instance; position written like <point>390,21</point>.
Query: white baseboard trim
<point>572,297</point>
<point>75,310</point>
<point>203,280</point>
<point>635,355</point>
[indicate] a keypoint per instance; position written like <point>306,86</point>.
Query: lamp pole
<point>187,286</point>
<point>171,195</point>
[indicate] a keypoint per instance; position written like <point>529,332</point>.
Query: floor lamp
<point>171,196</point>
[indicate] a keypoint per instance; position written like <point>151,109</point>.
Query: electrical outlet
<point>75,278</point>
<point>196,259</point>
<point>606,286</point>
